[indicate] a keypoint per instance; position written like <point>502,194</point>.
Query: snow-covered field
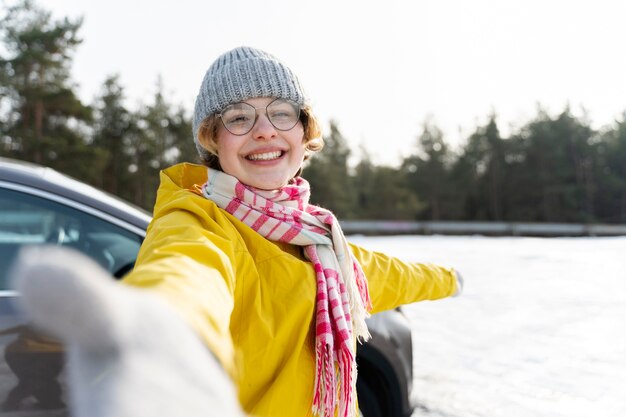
<point>540,330</point>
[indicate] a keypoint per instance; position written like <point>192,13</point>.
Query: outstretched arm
<point>393,282</point>
<point>129,352</point>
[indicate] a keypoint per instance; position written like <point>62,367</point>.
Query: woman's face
<point>265,157</point>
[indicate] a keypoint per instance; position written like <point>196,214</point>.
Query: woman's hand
<point>129,353</point>
<point>459,284</point>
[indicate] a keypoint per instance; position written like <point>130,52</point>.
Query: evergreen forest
<point>554,168</point>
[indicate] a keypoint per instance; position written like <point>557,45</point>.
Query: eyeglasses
<point>239,118</point>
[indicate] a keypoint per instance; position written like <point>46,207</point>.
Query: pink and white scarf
<point>343,301</point>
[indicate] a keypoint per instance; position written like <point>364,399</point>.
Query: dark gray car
<point>39,205</point>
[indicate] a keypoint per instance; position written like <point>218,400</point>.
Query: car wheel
<point>369,403</point>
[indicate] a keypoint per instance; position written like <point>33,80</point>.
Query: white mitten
<point>129,353</point>
<point>459,284</point>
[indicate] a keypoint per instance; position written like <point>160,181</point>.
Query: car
<point>39,205</point>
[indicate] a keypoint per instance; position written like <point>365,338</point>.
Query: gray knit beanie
<point>240,74</point>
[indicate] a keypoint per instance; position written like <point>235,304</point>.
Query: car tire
<point>369,403</point>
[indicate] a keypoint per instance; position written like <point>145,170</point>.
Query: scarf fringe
<point>332,382</point>
<point>347,392</point>
<point>325,386</point>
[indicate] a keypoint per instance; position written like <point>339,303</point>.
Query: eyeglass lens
<point>239,118</point>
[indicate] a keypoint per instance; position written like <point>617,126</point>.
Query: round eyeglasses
<point>239,118</point>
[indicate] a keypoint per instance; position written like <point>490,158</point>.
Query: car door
<point>31,364</point>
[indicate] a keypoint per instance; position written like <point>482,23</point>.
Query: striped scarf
<point>342,301</point>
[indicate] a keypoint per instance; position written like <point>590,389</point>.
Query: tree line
<point>552,169</point>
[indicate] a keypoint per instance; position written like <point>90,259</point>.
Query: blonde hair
<point>207,136</point>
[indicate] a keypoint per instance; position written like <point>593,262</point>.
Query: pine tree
<point>559,160</point>
<point>163,138</point>
<point>485,153</point>
<point>114,127</point>
<point>328,174</point>
<point>427,172</point>
<point>610,173</point>
<point>44,120</point>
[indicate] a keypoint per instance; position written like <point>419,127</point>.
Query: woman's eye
<point>237,119</point>
<point>280,115</point>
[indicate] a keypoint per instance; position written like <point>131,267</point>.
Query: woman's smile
<point>265,156</point>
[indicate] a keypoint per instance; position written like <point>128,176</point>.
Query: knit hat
<point>240,74</point>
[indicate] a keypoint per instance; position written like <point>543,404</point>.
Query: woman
<point>262,264</point>
<point>266,280</point>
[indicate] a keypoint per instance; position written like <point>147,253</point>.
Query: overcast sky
<point>380,68</point>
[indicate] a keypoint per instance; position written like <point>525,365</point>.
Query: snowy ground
<point>539,332</point>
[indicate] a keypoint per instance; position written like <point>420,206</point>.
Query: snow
<point>538,332</point>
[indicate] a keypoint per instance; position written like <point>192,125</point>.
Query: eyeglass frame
<point>256,116</point>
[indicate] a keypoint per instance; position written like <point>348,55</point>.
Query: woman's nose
<point>263,128</point>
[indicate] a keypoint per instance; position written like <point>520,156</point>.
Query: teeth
<point>264,156</point>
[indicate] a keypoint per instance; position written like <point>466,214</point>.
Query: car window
<point>26,219</point>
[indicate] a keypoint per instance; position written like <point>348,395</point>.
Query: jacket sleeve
<point>393,282</point>
<point>189,260</point>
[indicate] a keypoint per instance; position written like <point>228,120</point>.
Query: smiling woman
<point>280,286</point>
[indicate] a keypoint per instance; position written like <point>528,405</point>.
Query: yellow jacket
<point>253,300</point>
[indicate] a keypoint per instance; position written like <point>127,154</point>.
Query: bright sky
<point>379,68</point>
